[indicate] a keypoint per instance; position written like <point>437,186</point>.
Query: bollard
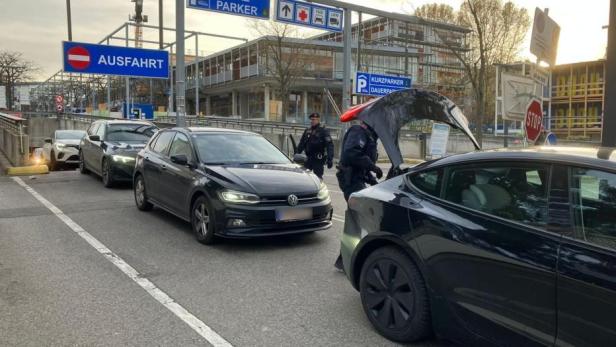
<point>423,145</point>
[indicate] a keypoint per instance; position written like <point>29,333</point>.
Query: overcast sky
<point>37,27</point>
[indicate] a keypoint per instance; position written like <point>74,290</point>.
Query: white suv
<point>63,148</point>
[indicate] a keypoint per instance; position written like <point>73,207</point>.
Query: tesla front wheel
<point>202,221</point>
<point>394,296</point>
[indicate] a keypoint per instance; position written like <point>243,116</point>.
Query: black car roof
<point>582,156</point>
<point>214,130</point>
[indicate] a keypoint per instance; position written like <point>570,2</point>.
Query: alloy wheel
<point>105,173</point>
<point>202,219</point>
<point>389,296</point>
<point>140,191</point>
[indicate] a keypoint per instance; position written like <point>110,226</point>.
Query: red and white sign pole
<point>533,122</point>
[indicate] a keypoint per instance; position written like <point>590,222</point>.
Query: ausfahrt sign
<point>534,120</point>
<point>115,60</point>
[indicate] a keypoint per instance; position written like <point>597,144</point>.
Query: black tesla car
<point>514,248</point>
<point>110,148</point>
<point>229,183</point>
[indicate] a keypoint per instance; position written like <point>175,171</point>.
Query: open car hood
<point>388,114</point>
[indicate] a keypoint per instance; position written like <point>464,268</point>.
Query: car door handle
<point>163,167</point>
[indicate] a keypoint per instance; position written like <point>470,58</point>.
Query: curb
<point>27,170</point>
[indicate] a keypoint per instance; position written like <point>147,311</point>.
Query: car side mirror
<point>300,158</point>
<point>48,140</point>
<point>95,138</point>
<point>179,159</point>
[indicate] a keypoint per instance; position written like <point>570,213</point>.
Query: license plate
<point>293,214</point>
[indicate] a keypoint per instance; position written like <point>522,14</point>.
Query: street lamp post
<point>180,72</point>
<point>608,135</point>
<point>68,18</point>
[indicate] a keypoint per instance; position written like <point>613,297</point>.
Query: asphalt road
<point>56,289</point>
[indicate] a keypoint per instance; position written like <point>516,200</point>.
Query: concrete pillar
<point>208,105</point>
<point>305,104</point>
<point>266,102</point>
<point>234,103</point>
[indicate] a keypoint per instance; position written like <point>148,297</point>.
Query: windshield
<point>70,135</point>
<point>130,132</point>
<point>223,149</point>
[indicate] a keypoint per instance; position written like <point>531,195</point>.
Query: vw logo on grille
<point>292,200</point>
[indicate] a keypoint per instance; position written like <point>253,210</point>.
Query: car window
<point>130,132</point>
<point>93,128</point>
<point>181,145</point>
<point>163,142</point>
<point>237,148</point>
<point>153,140</point>
<point>101,131</point>
<point>518,193</point>
<point>428,181</point>
<point>593,201</point>
<point>69,134</point>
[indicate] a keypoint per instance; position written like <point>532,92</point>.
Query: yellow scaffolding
<point>578,99</point>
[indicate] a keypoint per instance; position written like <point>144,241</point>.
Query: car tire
<point>82,164</point>
<point>106,174</point>
<point>202,221</point>
<point>141,198</point>
<point>53,164</point>
<point>394,296</point>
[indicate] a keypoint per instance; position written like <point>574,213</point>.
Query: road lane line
<point>193,322</point>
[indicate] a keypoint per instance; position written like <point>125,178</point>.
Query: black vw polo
<point>229,183</point>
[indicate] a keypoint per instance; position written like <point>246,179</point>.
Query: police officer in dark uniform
<point>357,163</point>
<point>317,142</point>
<point>358,160</point>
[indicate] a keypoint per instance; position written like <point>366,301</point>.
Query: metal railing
<point>14,141</point>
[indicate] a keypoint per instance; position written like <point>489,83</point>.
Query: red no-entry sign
<point>534,120</point>
<point>78,57</point>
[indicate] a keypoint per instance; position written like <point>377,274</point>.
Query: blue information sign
<point>249,8</point>
<point>379,85</point>
<point>114,60</point>
<point>308,14</point>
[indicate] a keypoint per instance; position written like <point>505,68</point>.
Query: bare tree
<point>497,33</point>
<point>14,69</point>
<point>285,59</point>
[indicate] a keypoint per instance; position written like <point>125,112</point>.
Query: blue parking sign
<point>259,9</point>
<point>379,85</point>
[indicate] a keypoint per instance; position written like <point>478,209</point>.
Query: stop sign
<point>534,120</point>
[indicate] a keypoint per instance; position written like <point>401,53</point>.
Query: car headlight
<point>323,192</point>
<point>235,197</point>
<point>122,158</point>
<point>60,145</point>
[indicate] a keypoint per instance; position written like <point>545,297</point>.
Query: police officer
<point>317,142</point>
<point>357,163</point>
<point>358,160</point>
